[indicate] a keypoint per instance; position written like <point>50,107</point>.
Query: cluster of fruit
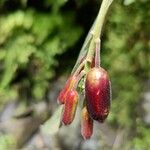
<point>96,90</point>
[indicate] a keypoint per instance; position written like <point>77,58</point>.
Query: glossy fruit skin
<point>70,107</point>
<point>98,93</point>
<point>63,93</point>
<point>86,124</point>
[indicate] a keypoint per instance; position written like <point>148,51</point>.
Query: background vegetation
<point>40,42</point>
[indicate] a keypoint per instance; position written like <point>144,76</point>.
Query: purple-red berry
<point>68,86</point>
<point>86,124</point>
<point>97,92</point>
<point>70,107</point>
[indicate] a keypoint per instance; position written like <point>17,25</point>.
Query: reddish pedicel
<point>93,63</point>
<point>70,107</point>
<point>97,92</point>
<point>86,124</point>
<point>69,84</point>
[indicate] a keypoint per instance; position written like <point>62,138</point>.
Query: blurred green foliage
<point>126,56</point>
<point>7,142</point>
<point>31,35</point>
<point>29,42</point>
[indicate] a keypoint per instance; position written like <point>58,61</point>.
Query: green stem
<point>101,18</point>
<point>97,29</point>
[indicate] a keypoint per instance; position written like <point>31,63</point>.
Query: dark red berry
<point>97,92</point>
<point>86,124</point>
<point>70,107</point>
<point>68,86</point>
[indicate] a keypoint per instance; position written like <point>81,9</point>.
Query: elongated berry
<point>70,107</point>
<point>86,124</point>
<point>97,92</point>
<point>63,93</point>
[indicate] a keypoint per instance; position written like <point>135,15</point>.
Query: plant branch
<point>101,18</point>
<point>97,29</point>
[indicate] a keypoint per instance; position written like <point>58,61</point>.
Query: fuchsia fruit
<point>86,124</point>
<point>70,107</point>
<point>96,88</point>
<point>68,86</point>
<point>97,98</point>
<point>97,93</point>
